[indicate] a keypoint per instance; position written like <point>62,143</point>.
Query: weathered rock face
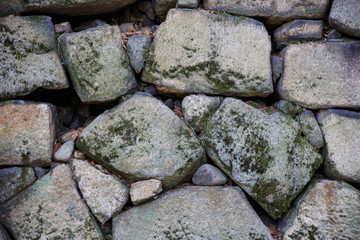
<point>143,139</point>
<point>142,191</point>
<point>137,48</point>
<point>192,213</point>
<point>310,128</point>
<point>162,7</point>
<point>27,133</point>
<point>327,210</point>
<point>104,194</point>
<point>263,153</point>
<point>14,180</point>
<point>341,130</point>
<point>208,175</point>
<point>344,16</point>
<point>191,54</point>
<point>322,75</point>
<point>49,209</point>
<point>296,31</point>
<point>28,59</point>
<point>275,11</point>
<point>97,63</point>
<point>65,152</point>
<point>72,8</point>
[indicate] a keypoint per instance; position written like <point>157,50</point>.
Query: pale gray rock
<point>143,139</point>
<point>162,7</point>
<point>104,194</point>
<point>310,128</point>
<point>321,75</point>
<point>13,180</point>
<point>49,209</point>
<point>341,131</point>
<point>262,152</point>
<point>344,17</point>
<point>192,213</point>
<point>64,153</point>
<point>297,31</point>
<point>274,11</point>
<point>195,51</point>
<point>187,3</point>
<point>97,63</point>
<point>40,172</point>
<point>276,66</point>
<point>208,175</point>
<point>326,210</point>
<point>137,48</point>
<point>197,109</point>
<point>142,191</point>
<point>333,34</point>
<point>27,133</point>
<point>29,58</point>
<point>69,136</point>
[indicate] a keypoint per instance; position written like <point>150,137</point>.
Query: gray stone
<point>321,75</point>
<point>28,59</point>
<point>146,6</point>
<point>333,34</point>
<point>49,209</point>
<point>14,180</point>
<point>162,7</point>
<point>344,17</point>
<point>192,213</point>
<point>127,27</point>
<point>137,48</point>
<point>262,152</point>
<point>288,108</point>
<point>326,210</point>
<point>144,190</point>
<point>150,90</point>
<point>274,11</point>
<point>310,128</point>
<point>64,153</point>
<point>296,31</point>
<point>276,66</point>
<point>11,7</point>
<point>69,136</point>
<point>341,131</point>
<point>40,172</point>
<point>208,175</point>
<point>191,53</point>
<point>197,109</point>
<point>97,63</point>
<point>27,133</point>
<point>169,103</point>
<point>187,3</point>
<point>104,194</point>
<point>143,139</point>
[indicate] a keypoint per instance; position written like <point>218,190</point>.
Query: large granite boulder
<point>321,75</point>
<point>143,139</point>
<point>262,152</point>
<point>49,209</point>
<point>326,210</point>
<point>199,52</point>
<point>344,16</point>
<point>341,131</point>
<point>97,63</point>
<point>27,133</point>
<point>29,58</point>
<point>274,11</point>
<point>192,213</point>
<point>104,194</point>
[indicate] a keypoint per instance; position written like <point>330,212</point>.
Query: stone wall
<point>214,119</point>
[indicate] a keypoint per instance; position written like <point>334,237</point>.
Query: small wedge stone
<point>144,190</point>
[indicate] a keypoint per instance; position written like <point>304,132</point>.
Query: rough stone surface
<point>49,209</point>
<point>162,7</point>
<point>274,11</point>
<point>344,16</point>
<point>322,75</point>
<point>310,128</point>
<point>97,63</point>
<point>276,65</point>
<point>64,153</point>
<point>104,194</point>
<point>296,31</point>
<point>144,190</point>
<point>27,133</point>
<point>208,175</point>
<point>262,152</point>
<point>14,180</point>
<point>326,210</point>
<point>198,108</point>
<point>341,131</point>
<point>288,108</point>
<point>28,57</point>
<point>143,139</point>
<point>192,213</point>
<point>69,136</point>
<point>137,48</point>
<point>334,35</point>
<point>191,54</point>
<point>187,3</point>
<point>40,172</point>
